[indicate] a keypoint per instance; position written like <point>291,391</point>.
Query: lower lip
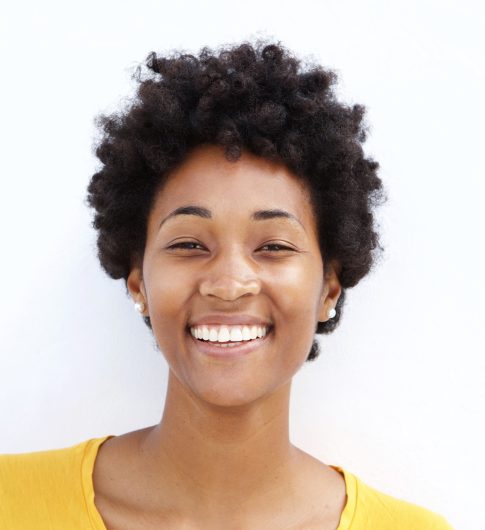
<point>230,352</point>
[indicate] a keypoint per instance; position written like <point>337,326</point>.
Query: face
<point>224,260</point>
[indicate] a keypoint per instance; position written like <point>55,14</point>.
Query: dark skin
<point>221,457</point>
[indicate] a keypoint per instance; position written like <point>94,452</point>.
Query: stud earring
<point>140,307</point>
<point>332,313</point>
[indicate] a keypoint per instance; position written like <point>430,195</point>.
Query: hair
<point>256,97</point>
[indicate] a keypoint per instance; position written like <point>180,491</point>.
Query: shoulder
<point>42,486</point>
<point>21,470</point>
<point>372,509</point>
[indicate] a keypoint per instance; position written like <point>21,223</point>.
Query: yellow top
<point>53,490</point>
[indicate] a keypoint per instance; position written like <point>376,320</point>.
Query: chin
<point>227,394</point>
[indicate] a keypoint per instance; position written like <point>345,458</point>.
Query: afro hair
<point>258,97</point>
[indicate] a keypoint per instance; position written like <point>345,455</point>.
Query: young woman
<point>236,202</point>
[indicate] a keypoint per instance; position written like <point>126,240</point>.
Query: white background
<point>396,396</point>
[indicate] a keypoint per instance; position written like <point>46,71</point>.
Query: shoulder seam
<point>82,473</point>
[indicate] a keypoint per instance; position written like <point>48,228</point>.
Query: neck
<point>221,456</point>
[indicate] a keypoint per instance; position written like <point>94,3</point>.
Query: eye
<point>191,245</point>
<point>183,243</point>
<point>278,247</point>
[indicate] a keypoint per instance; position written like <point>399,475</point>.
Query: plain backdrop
<point>397,395</point>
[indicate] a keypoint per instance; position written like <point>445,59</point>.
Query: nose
<point>229,276</point>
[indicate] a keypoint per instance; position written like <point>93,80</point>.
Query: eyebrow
<point>258,215</point>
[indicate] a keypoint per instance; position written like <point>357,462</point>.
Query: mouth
<point>229,349</point>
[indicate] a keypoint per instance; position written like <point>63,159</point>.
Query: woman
<point>236,202</point>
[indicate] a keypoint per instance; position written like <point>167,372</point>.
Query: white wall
<point>397,395</point>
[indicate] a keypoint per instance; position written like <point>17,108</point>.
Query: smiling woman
<point>236,203</point>
<point>228,258</point>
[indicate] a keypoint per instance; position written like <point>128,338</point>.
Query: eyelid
<point>180,243</point>
<point>282,247</point>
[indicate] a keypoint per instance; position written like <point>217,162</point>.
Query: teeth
<point>224,335</point>
<point>246,333</point>
<point>236,335</point>
<point>228,333</point>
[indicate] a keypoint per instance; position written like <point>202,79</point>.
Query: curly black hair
<point>258,97</point>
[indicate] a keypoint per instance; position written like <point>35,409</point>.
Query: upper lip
<point>229,320</point>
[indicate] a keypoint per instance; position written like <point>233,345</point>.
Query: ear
<point>330,292</point>
<point>136,286</point>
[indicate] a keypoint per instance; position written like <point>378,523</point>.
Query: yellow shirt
<point>53,490</point>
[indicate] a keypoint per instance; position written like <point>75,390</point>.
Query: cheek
<point>295,293</point>
<point>167,294</point>
<point>296,290</point>
<point>167,287</point>
<point>289,295</point>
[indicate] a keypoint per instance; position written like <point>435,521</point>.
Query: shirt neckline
<point>87,466</point>
<point>348,512</point>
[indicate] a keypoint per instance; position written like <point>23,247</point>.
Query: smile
<point>230,349</point>
<point>224,333</point>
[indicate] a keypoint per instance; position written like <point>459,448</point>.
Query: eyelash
<point>179,245</point>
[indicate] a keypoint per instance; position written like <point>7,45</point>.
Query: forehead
<point>251,183</point>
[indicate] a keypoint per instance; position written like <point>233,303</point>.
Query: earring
<point>140,307</point>
<point>332,313</point>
